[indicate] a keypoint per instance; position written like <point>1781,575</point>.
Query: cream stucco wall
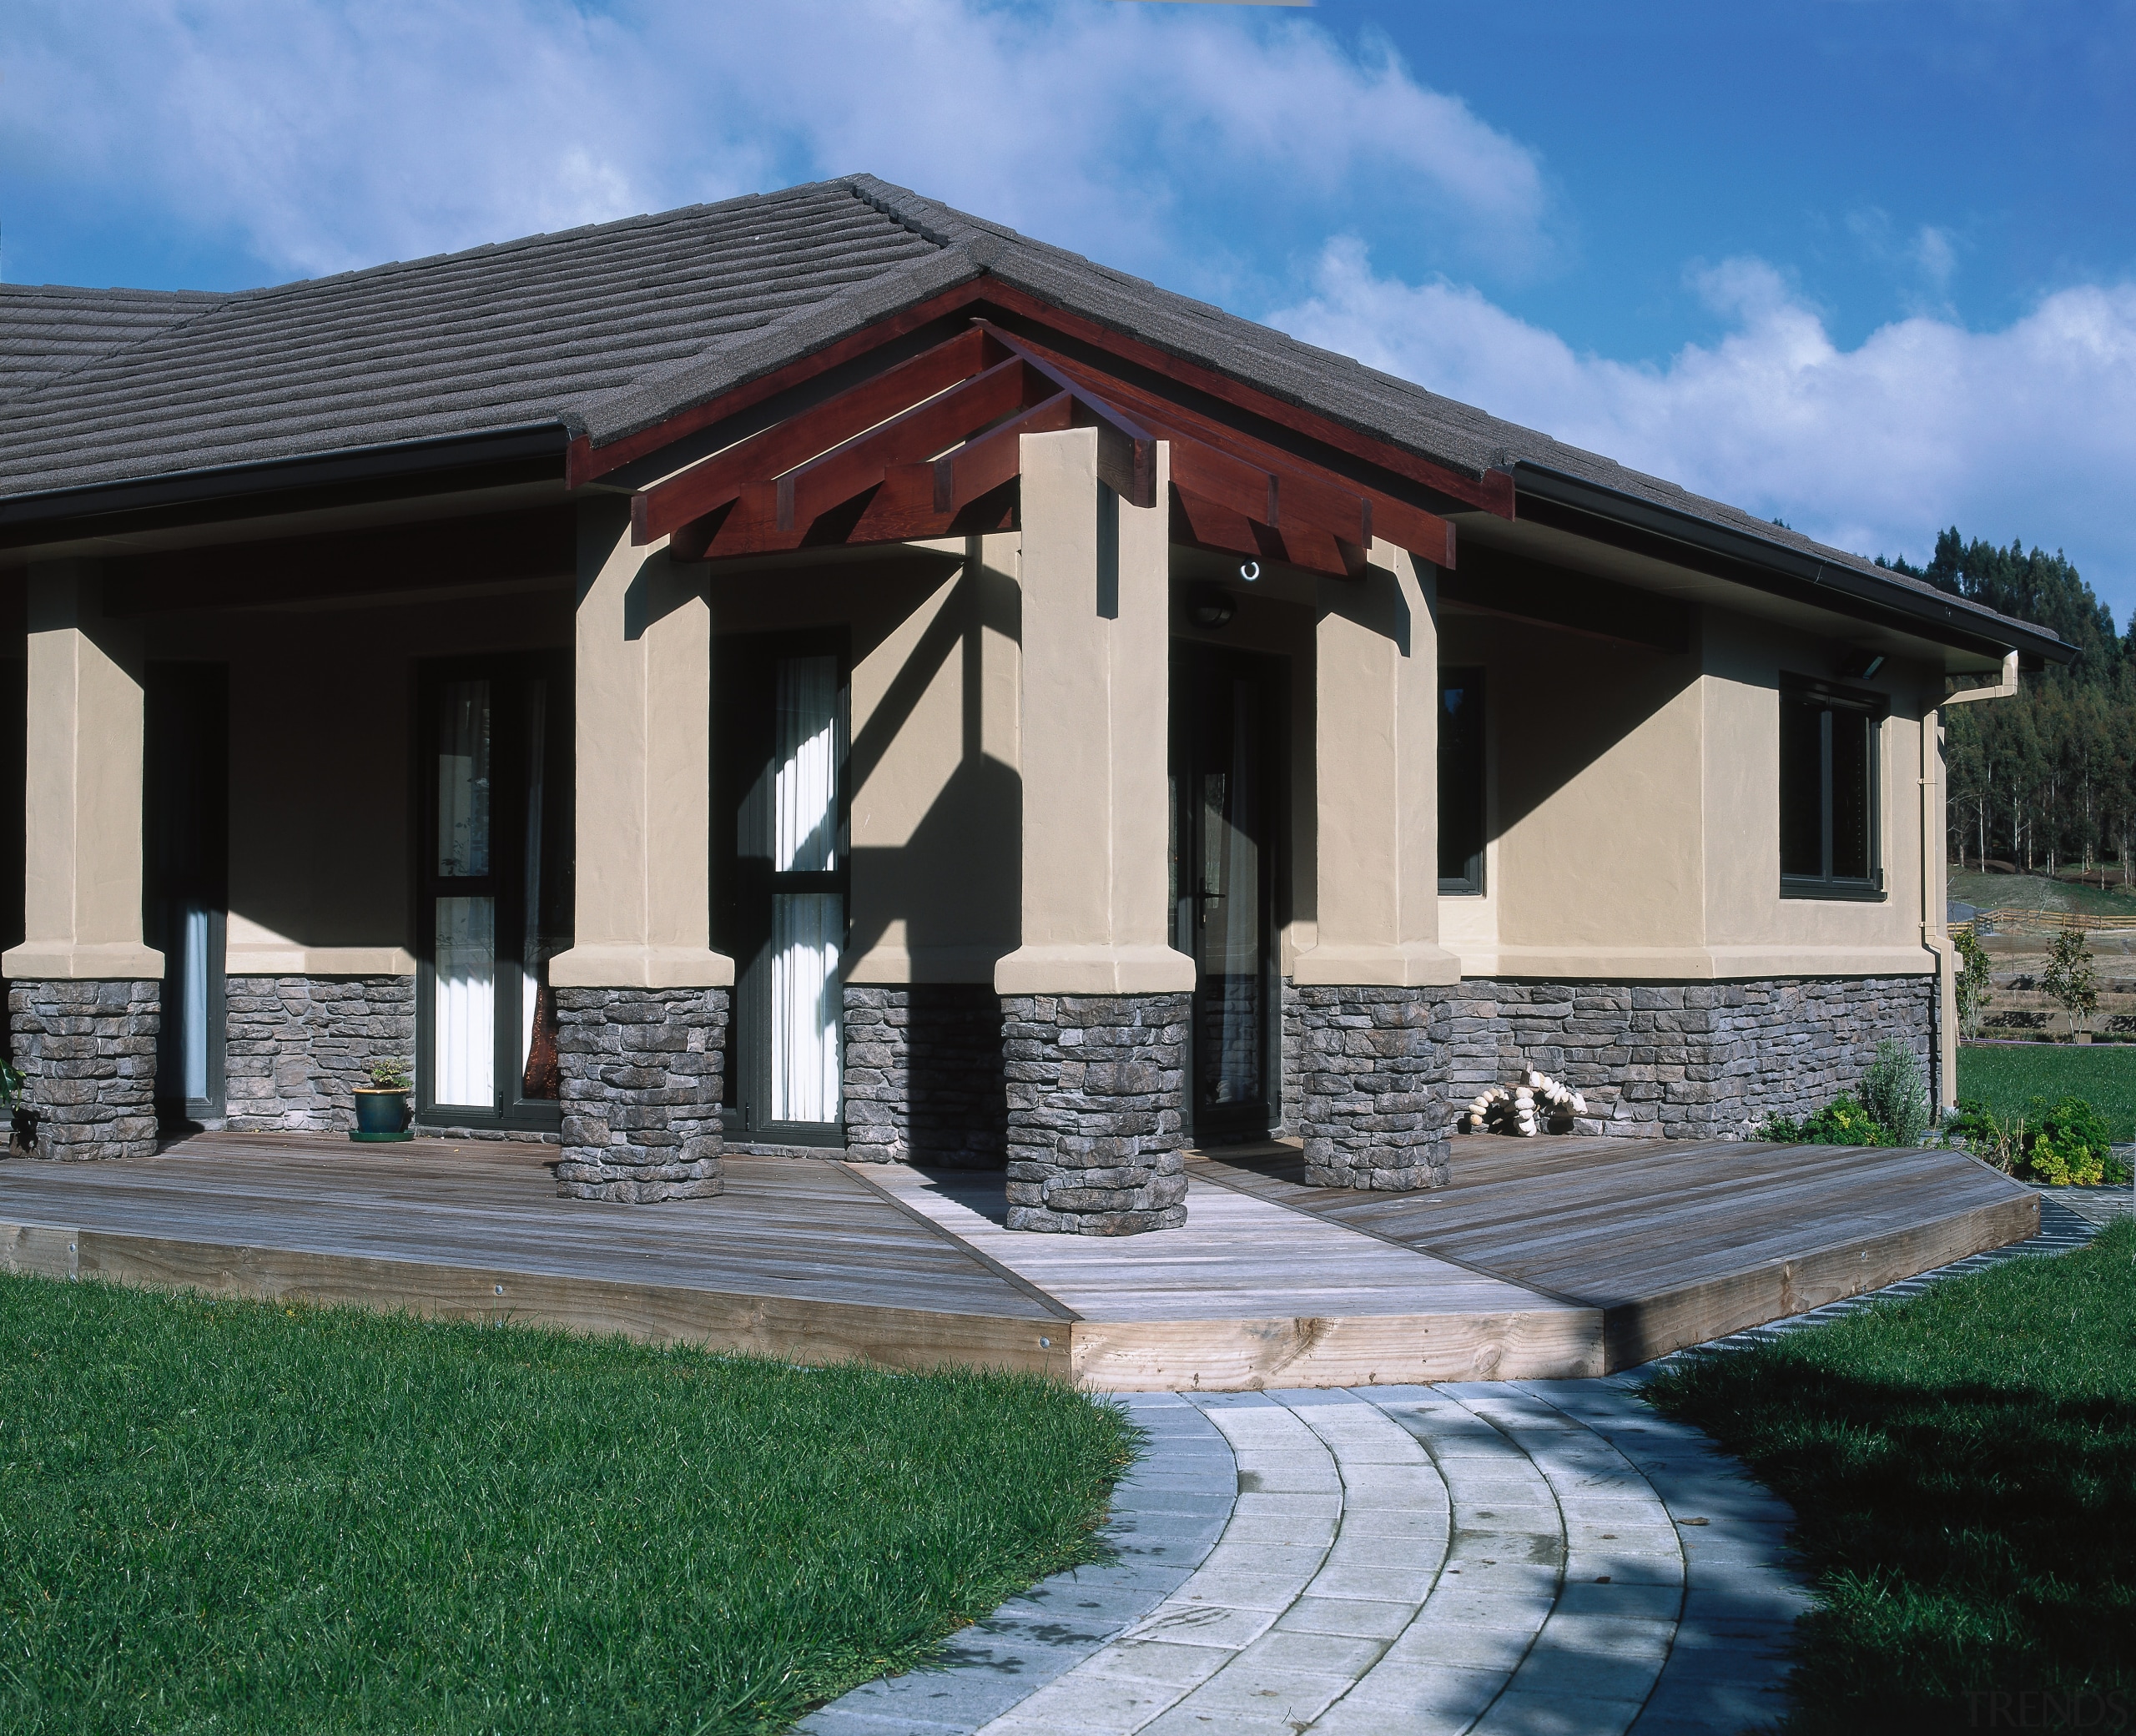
<point>1634,811</point>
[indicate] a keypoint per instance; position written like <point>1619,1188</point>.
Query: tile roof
<point>612,329</point>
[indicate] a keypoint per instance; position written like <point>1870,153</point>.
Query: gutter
<point>183,492</point>
<point>1935,915</point>
<point>1797,568</point>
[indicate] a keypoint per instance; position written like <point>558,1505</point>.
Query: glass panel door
<point>779,881</point>
<point>498,891</point>
<point>186,761</point>
<point>463,960</point>
<point>1225,707</point>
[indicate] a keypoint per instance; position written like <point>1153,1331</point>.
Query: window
<point>1828,819</point>
<point>1461,806</point>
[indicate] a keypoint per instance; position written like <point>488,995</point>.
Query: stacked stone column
<point>1372,1107</point>
<point>641,999</point>
<point>87,1053</point>
<point>641,1079</point>
<point>1095,1001</point>
<point>83,991</point>
<point>1094,1084</point>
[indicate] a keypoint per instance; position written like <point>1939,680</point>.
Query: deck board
<point>1542,1257</point>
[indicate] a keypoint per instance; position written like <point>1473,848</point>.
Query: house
<point>824,672</point>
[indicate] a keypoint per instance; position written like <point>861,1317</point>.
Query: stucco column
<point>1094,999</point>
<point>82,988</point>
<point>1373,1078</point>
<point>641,999</point>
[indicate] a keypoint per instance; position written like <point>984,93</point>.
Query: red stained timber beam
<point>1211,525</point>
<point>1406,527</point>
<point>1127,454</point>
<point>666,507</point>
<point>805,494</point>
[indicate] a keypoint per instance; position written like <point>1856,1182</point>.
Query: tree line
<point>2046,780</point>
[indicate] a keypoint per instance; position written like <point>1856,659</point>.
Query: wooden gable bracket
<point>930,447</point>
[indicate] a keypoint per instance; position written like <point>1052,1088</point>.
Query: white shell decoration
<point>1535,1104</point>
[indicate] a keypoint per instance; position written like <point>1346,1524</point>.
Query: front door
<point>495,793</point>
<point>1226,710</point>
<point>185,758</point>
<point>780,881</point>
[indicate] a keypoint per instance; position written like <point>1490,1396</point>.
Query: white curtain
<point>807,928</point>
<point>531,953</point>
<point>805,931</point>
<point>193,937</point>
<point>467,1002</point>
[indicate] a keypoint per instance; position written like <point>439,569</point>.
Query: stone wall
<point>1095,1086</point>
<point>87,1053</point>
<point>1372,1108</point>
<point>1683,1060</point>
<point>642,1072</point>
<point>924,1081</point>
<point>298,1046</point>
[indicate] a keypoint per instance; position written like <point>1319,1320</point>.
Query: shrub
<point>2069,980</point>
<point>1975,983</point>
<point>1895,1093</point>
<point>2071,1146</point>
<point>2068,1145</point>
<point>1846,1120</point>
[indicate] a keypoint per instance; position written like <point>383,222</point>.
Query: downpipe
<point>1935,913</point>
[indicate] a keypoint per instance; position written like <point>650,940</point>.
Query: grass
<point>2007,1078</point>
<point>2036,891</point>
<point>1962,1468</point>
<point>234,1517</point>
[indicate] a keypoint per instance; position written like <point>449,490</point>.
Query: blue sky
<point>1868,266</point>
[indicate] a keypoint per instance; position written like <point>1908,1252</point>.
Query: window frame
<point>1874,708</point>
<point>1473,677</point>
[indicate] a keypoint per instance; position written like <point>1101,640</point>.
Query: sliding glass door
<point>186,758</point>
<point>494,790</point>
<point>780,880</point>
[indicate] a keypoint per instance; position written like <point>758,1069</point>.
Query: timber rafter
<point>931,447</point>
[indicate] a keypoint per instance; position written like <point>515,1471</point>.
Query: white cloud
<point>2024,432</point>
<point>321,134</point>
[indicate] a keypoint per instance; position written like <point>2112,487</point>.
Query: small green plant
<point>1846,1120</point>
<point>2071,1146</point>
<point>2069,980</point>
<point>390,1073</point>
<point>11,1086</point>
<point>2066,1145</point>
<point>1976,981</point>
<point>1895,1092</point>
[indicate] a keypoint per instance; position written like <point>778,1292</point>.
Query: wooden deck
<point>1554,1257</point>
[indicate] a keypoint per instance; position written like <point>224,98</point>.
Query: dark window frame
<point>744,667</point>
<point>1827,698</point>
<point>1469,883</point>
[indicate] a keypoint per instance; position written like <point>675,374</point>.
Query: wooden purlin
<point>928,449</point>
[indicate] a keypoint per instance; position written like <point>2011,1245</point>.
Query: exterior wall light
<point>1211,606</point>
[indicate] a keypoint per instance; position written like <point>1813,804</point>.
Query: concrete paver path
<point>1501,1556</point>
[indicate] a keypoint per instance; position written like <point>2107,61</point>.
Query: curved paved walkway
<point>1522,1557</point>
<point>1496,1558</point>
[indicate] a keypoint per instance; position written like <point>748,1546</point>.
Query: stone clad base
<point>86,1052</point>
<point>298,1046</point>
<point>1095,1087</point>
<point>923,1075</point>
<point>642,1078</point>
<point>1371,1105</point>
<point>1683,1060</point>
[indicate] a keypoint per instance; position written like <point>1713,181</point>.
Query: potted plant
<point>16,1116</point>
<point>382,1105</point>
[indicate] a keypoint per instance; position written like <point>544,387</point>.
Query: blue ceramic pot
<point>380,1111</point>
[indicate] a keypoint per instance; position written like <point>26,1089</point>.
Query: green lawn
<point>2007,1077</point>
<point>236,1517</point>
<point>2036,891</point>
<point>1962,1468</point>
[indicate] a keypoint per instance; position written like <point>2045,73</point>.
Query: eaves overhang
<point>276,485</point>
<point>1784,570</point>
